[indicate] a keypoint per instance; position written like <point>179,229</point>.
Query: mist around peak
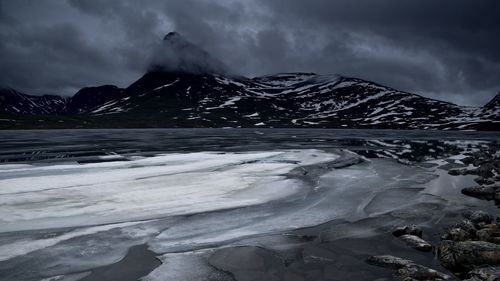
<point>177,54</point>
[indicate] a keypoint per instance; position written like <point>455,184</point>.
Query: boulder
<point>492,226</point>
<point>407,269</point>
<point>480,192</point>
<point>456,172</point>
<point>481,180</point>
<point>484,234</point>
<point>416,242</point>
<point>467,225</point>
<point>468,160</point>
<point>420,272</point>
<point>477,217</point>
<point>461,231</point>
<point>456,234</point>
<point>488,273</point>
<point>486,170</point>
<point>388,261</point>
<point>468,254</point>
<point>407,229</point>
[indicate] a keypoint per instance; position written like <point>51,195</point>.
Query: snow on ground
<point>252,115</point>
<point>104,106</point>
<point>229,102</point>
<point>166,85</point>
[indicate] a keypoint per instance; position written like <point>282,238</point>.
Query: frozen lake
<point>221,204</point>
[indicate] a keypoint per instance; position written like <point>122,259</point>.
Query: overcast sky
<point>447,49</point>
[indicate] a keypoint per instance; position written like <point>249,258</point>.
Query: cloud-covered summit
<point>177,54</point>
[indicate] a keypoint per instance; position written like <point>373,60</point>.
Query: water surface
<point>223,204</point>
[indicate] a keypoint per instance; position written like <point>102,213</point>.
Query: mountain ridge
<point>187,87</point>
<point>172,99</point>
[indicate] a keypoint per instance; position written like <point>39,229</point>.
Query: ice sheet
<point>165,185</point>
<point>24,246</point>
<point>267,199</point>
<point>352,193</point>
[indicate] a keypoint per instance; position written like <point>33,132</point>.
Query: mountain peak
<point>172,35</point>
<point>494,102</point>
<point>177,54</point>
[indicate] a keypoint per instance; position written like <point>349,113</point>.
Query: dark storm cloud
<point>444,49</point>
<point>50,47</point>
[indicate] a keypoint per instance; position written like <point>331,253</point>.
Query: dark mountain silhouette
<point>186,87</point>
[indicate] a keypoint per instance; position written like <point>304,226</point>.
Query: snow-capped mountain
<point>13,102</point>
<point>89,98</point>
<point>186,87</point>
<point>173,99</point>
<point>492,109</point>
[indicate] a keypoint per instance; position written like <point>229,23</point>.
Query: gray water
<point>224,204</point>
<point>82,145</point>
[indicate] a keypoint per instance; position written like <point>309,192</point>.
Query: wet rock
<point>467,254</point>
<point>451,166</point>
<point>492,226</point>
<point>484,274</point>
<point>446,254</point>
<point>456,172</point>
<point>477,217</point>
<point>480,158</point>
<point>456,234</point>
<point>416,242</point>
<point>486,181</point>
<point>468,160</point>
<point>480,192</point>
<point>407,229</point>
<point>388,261</point>
<point>468,226</point>
<point>485,170</point>
<point>407,269</point>
<point>484,234</point>
<point>461,231</point>
<point>420,272</point>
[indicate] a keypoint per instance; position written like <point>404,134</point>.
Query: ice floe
<point>164,185</point>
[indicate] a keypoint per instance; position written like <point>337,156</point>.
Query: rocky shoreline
<point>470,248</point>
